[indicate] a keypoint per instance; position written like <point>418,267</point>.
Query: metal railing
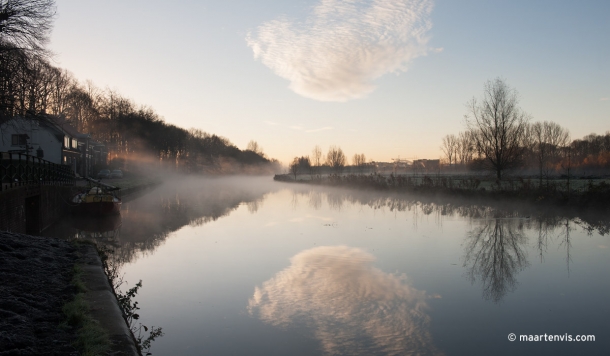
<point>19,169</point>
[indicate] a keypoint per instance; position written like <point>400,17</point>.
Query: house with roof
<point>53,139</point>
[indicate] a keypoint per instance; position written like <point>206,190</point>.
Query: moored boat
<point>99,200</point>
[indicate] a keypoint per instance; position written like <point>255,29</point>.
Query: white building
<point>49,138</point>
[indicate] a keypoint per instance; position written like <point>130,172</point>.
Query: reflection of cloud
<point>352,307</point>
<point>336,53</point>
<point>323,218</point>
<point>604,99</point>
<point>302,219</point>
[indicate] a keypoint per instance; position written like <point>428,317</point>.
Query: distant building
<point>427,165</point>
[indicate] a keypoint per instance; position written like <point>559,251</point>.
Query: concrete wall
<point>31,209</point>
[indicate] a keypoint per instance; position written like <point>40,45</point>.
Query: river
<point>248,266</point>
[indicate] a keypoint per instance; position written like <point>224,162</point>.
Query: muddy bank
<point>35,275</point>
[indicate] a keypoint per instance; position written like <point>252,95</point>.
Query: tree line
<point>335,161</point>
<point>30,86</point>
<point>500,136</point>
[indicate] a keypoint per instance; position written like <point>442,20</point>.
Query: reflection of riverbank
<point>351,307</point>
<point>446,206</point>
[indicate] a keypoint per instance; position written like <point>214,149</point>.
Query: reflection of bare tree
<point>294,202</point>
<point>335,200</point>
<point>543,237</point>
<point>495,254</point>
<point>315,199</point>
<point>601,224</point>
<point>590,221</point>
<point>565,241</point>
<point>254,205</point>
<point>352,307</point>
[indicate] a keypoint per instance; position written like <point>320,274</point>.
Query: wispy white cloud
<point>299,127</point>
<point>320,129</point>
<point>337,52</point>
<point>604,99</point>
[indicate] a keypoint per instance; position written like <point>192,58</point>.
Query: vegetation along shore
<point>587,192</point>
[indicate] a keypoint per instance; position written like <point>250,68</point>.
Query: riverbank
<point>576,193</point>
<point>52,293</point>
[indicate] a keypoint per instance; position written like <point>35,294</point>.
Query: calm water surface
<point>254,267</point>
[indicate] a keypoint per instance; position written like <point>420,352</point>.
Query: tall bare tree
<point>335,158</point>
<point>316,159</point>
<point>449,147</point>
<point>498,125</point>
<point>294,167</point>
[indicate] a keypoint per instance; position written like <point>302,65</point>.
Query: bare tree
<point>305,165</point>
<point>498,125</point>
<point>449,147</point>
<point>25,24</point>
<point>359,160</point>
<point>254,147</point>
<point>548,138</point>
<point>335,158</point>
<point>300,164</point>
<point>566,163</point>
<point>294,167</point>
<point>316,157</point>
<point>465,147</point>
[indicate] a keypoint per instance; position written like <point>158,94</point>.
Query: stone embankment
<point>36,282</point>
<point>35,275</point>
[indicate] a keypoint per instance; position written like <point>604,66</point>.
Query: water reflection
<point>590,221</point>
<point>493,249</point>
<point>147,220</point>
<point>351,307</point>
<point>495,254</point>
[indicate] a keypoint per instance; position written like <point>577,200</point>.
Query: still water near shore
<point>254,267</point>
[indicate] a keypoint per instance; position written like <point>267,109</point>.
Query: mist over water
<point>247,265</point>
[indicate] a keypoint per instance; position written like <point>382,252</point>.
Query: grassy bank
<point>92,339</point>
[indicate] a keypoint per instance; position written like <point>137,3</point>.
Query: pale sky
<point>386,78</point>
